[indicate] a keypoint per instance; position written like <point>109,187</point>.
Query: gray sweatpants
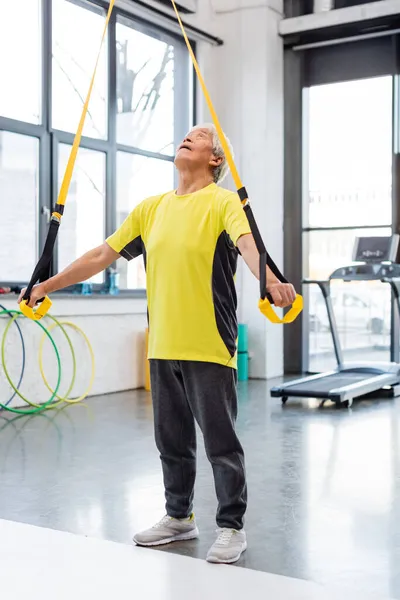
<point>183,391</point>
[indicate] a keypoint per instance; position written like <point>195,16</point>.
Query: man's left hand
<point>283,294</point>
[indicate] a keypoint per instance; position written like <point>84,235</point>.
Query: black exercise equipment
<point>374,260</point>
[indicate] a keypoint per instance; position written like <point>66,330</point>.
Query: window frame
<point>50,138</point>
<point>329,66</point>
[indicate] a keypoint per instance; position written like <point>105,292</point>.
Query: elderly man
<point>189,238</point>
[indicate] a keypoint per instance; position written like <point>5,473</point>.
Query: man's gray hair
<point>221,171</point>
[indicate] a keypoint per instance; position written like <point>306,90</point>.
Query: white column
<point>245,77</point>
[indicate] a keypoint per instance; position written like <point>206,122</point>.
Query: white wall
<point>245,79</point>
<point>116,330</point>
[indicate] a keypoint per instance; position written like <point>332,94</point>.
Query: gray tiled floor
<point>324,485</point>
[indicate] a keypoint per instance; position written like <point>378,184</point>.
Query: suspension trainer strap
<point>42,270</point>
<point>261,250</point>
<point>265,299</point>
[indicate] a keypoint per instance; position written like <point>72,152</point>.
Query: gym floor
<point>322,507</point>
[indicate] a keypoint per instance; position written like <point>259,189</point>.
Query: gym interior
<point>307,91</point>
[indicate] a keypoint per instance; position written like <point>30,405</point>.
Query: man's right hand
<point>38,292</point>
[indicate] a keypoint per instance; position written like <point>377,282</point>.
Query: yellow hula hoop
<point>93,361</point>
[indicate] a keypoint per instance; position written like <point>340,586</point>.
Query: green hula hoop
<point>35,408</point>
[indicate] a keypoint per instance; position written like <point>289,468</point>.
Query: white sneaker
<point>229,546</point>
<point>168,530</point>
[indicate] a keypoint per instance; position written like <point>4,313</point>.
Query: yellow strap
<point>62,197</point>
<point>264,305</point>
<point>221,135</point>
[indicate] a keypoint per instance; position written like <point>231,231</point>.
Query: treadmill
<point>373,259</point>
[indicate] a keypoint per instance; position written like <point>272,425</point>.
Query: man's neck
<point>192,182</point>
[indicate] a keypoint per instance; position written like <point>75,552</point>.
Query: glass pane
<point>350,153</point>
<point>145,90</point>
<point>329,250</point>
<point>83,223</point>
<point>21,62</point>
<point>19,174</point>
<point>362,312</point>
<point>362,309</point>
<point>76,40</point>
<point>138,178</point>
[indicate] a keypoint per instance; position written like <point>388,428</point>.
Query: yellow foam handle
<point>39,312</point>
<point>267,310</point>
<point>264,305</point>
<point>62,196</point>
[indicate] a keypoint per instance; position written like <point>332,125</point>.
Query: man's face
<point>196,150</point>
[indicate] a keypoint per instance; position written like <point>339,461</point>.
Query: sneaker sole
<point>181,537</point>
<point>218,561</point>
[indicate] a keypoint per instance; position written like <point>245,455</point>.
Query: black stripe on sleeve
<point>133,249</point>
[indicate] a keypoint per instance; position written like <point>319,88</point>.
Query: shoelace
<point>224,537</point>
<point>163,522</point>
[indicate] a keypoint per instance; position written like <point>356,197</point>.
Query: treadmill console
<point>375,259</point>
<point>376,249</point>
<point>367,272</point>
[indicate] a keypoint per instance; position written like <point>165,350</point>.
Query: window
<point>77,34</point>
<point>350,154</point>
<point>138,177</point>
<point>21,63</point>
<point>145,88</point>
<point>362,315</point>
<point>19,167</point>
<point>353,302</point>
<point>140,108</point>
<point>152,114</point>
<point>349,175</point>
<point>83,223</point>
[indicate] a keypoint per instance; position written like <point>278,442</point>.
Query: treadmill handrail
<point>394,283</point>
<point>325,287</point>
<point>366,271</point>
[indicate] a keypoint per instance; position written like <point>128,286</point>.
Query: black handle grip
<point>27,298</point>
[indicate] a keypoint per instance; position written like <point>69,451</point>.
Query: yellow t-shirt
<point>189,249</point>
